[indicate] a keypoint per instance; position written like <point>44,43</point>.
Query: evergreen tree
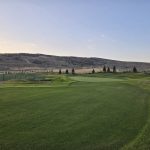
<point>67,72</point>
<point>104,69</point>
<point>114,69</point>
<point>134,69</point>
<point>60,71</point>
<point>93,71</point>
<point>73,71</point>
<point>108,69</point>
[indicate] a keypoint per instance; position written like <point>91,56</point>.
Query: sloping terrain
<point>110,113</point>
<point>39,61</point>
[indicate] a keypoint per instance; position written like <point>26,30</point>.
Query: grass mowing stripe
<point>94,79</point>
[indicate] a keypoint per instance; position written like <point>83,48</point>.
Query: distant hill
<point>24,61</point>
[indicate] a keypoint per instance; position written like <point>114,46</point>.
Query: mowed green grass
<point>94,79</point>
<point>104,114</point>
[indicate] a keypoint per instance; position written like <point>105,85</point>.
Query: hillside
<point>39,61</point>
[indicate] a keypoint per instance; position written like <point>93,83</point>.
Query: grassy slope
<point>84,115</point>
<point>142,141</point>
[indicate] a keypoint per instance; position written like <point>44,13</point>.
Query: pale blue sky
<point>115,29</point>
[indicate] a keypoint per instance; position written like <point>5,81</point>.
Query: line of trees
<point>108,69</point>
<point>67,71</point>
<point>114,70</point>
<point>105,70</point>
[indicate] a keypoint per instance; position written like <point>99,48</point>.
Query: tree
<point>60,71</point>
<point>104,69</point>
<point>134,69</point>
<point>114,69</point>
<point>73,71</point>
<point>93,71</point>
<point>108,69</point>
<point>67,72</point>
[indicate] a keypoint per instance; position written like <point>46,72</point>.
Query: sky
<point>113,29</point>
